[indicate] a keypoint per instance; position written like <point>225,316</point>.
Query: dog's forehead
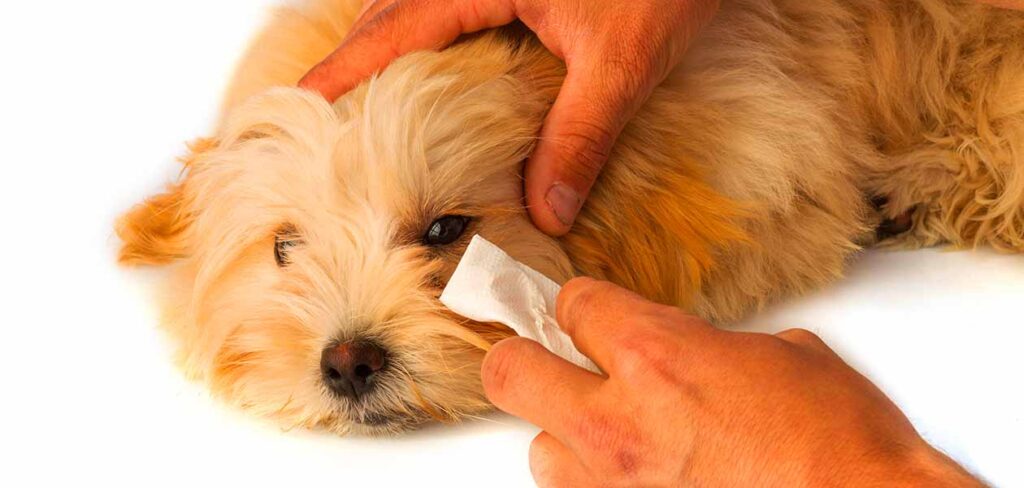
<point>389,151</point>
<point>418,155</point>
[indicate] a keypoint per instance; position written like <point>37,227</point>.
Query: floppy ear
<point>155,231</point>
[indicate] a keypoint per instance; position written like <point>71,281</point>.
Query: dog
<point>306,243</point>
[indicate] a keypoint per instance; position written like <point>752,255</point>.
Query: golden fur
<point>747,177</point>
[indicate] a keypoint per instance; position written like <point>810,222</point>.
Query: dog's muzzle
<point>352,369</point>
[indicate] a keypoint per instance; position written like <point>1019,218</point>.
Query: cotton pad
<point>490,286</point>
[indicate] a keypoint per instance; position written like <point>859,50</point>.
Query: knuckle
<point>370,9</point>
<point>658,326</point>
<point>672,316</point>
<point>587,147</point>
<point>475,15</point>
<point>576,299</point>
<point>617,442</point>
<point>631,63</point>
<point>598,428</point>
<point>577,285</point>
<point>381,26</point>
<point>650,358</point>
<point>625,461</point>
<point>629,67</point>
<point>644,348</point>
<point>801,337</point>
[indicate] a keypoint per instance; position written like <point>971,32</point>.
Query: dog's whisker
<point>304,266</point>
<point>480,418</point>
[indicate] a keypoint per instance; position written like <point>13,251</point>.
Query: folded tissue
<point>490,286</point>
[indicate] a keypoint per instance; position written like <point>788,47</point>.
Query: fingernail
<point>565,202</point>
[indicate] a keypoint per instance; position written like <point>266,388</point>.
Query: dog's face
<point>309,244</point>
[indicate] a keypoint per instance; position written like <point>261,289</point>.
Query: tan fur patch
<point>746,178</point>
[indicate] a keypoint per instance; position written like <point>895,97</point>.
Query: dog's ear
<point>156,231</point>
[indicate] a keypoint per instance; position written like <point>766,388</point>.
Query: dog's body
<point>747,177</point>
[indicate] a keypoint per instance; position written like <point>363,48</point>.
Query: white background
<point>97,97</point>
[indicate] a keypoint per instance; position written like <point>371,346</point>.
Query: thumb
<point>593,106</point>
<point>554,465</point>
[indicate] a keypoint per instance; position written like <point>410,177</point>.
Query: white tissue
<point>490,286</point>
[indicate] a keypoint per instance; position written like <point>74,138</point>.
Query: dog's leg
<point>949,125</point>
<point>962,189</point>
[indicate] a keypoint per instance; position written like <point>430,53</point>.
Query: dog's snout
<point>350,369</point>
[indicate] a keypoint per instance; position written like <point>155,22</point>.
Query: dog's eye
<point>445,230</point>
<point>284,241</point>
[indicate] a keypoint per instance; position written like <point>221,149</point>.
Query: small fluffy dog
<point>307,243</point>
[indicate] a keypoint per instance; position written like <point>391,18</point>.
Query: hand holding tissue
<point>490,286</point>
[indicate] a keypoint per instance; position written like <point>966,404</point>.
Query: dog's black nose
<point>350,369</point>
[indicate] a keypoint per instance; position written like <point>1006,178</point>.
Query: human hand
<point>684,403</point>
<point>616,53</point>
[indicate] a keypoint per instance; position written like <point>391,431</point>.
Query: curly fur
<point>746,178</point>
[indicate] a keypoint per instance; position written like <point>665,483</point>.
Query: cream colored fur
<point>746,178</point>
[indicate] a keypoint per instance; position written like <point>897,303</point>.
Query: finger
<point>804,338</point>
<point>397,29</point>
<point>367,5</point>
<point>554,465</point>
<point>590,112</point>
<point>610,324</point>
<point>524,379</point>
<point>370,10</point>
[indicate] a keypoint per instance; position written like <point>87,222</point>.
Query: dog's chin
<point>378,424</point>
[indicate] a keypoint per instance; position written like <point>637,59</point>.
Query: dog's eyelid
<point>286,230</point>
<point>446,229</point>
<point>286,238</point>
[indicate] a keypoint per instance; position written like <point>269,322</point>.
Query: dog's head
<point>309,243</point>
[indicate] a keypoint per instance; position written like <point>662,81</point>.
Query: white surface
<point>491,286</point>
<point>96,98</point>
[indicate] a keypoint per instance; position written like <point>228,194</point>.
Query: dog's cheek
<point>516,235</point>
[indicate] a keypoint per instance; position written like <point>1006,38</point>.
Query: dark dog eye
<point>445,230</point>
<point>284,241</point>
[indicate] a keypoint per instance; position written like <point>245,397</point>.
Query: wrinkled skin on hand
<point>686,404</point>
